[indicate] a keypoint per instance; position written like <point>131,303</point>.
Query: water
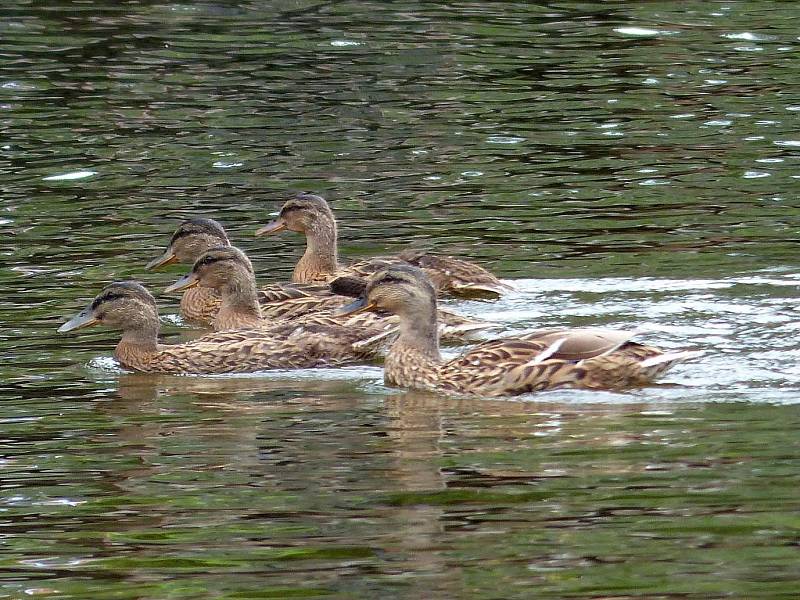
<point>630,164</point>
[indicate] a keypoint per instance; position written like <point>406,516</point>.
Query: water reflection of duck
<point>310,215</point>
<point>333,389</point>
<point>130,307</point>
<point>544,359</point>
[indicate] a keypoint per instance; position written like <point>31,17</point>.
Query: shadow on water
<point>626,164</point>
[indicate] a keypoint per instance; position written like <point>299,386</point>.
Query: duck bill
<point>184,283</point>
<point>85,318</point>
<point>272,227</point>
<point>165,259</point>
<point>353,308</point>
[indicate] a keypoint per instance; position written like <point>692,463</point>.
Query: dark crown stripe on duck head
<point>222,254</point>
<point>305,201</point>
<point>402,274</point>
<point>107,297</point>
<point>200,226</point>
<point>123,289</point>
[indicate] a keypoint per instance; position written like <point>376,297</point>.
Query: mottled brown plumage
<point>279,301</point>
<point>200,305</point>
<point>131,308</point>
<point>538,360</point>
<point>310,215</point>
<point>228,272</point>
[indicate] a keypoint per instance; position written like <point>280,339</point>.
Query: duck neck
<point>419,333</point>
<point>320,258</point>
<point>414,359</point>
<point>138,344</point>
<point>239,308</point>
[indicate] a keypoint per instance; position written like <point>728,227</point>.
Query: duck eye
<point>205,261</point>
<point>107,297</point>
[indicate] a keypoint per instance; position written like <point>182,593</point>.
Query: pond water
<point>624,163</point>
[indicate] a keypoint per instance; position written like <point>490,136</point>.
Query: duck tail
<point>656,366</point>
<point>482,289</point>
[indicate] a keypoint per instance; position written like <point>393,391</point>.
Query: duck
<point>199,304</point>
<point>278,301</point>
<point>228,272</point>
<point>129,307</point>
<point>310,215</point>
<point>587,358</point>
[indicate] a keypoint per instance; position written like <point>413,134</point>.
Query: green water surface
<point>624,163</point>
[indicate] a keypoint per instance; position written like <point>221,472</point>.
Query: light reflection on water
<point>626,164</point>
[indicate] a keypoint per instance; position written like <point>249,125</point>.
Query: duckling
<point>130,307</point>
<point>539,360</point>
<point>310,215</point>
<point>229,273</point>
<point>200,304</point>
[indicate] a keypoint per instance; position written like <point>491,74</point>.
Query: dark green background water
<point>627,163</point>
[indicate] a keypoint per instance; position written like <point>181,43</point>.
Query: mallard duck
<point>130,307</point>
<point>192,238</point>
<point>310,215</point>
<point>229,273</point>
<point>539,360</point>
<point>200,304</point>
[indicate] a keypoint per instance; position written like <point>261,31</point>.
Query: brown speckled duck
<point>310,215</point>
<point>539,360</point>
<point>130,307</point>
<point>228,272</point>
<point>200,304</point>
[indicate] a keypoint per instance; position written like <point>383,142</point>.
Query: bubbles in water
<point>106,363</point>
<point>173,319</point>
